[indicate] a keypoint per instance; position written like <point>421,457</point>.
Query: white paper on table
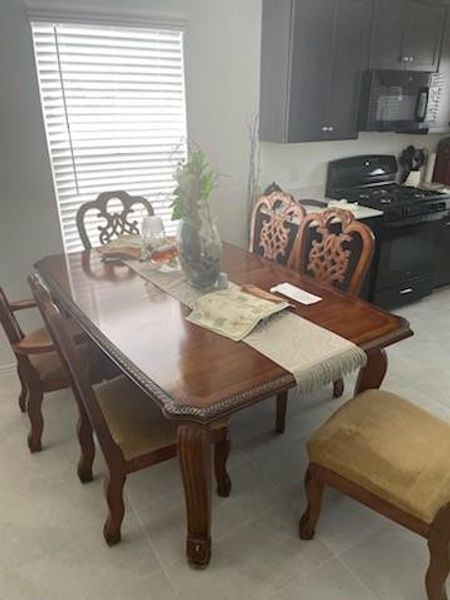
<point>295,293</point>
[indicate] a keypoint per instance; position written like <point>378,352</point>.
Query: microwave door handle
<point>422,104</point>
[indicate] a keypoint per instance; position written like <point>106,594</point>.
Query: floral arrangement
<point>195,183</point>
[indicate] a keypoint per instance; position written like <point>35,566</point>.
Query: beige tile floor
<point>51,545</point>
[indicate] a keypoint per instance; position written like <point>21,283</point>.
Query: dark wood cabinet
<point>313,53</point>
<point>442,120</point>
<point>406,34</point>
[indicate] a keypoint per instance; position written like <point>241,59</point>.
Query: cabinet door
<point>350,51</point>
<point>310,76</point>
<point>276,40</point>
<point>423,36</point>
<point>442,118</point>
<point>387,34</point>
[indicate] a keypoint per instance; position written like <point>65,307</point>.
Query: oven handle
<point>422,104</point>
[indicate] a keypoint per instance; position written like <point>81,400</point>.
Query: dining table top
<point>192,373</point>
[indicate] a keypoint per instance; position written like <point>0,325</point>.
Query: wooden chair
<point>393,457</point>
<point>131,430</point>
<point>274,226</point>
<point>336,249</point>
<point>38,366</point>
<point>275,223</point>
<point>117,222</point>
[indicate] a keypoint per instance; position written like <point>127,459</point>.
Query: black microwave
<point>402,101</point>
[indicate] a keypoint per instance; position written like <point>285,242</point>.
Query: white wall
<point>222,54</point>
<point>295,166</point>
<point>222,65</point>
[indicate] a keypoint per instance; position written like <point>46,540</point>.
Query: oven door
<point>406,254</point>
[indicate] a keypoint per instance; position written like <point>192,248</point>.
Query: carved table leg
<point>371,376</point>
<point>194,451</point>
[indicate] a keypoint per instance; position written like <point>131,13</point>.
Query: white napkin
<point>295,293</point>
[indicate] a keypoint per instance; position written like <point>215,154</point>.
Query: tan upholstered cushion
<point>49,367</point>
<point>38,336</point>
<point>391,448</point>
<point>47,364</point>
<point>136,423</point>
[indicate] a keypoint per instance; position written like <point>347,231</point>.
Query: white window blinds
<point>113,101</point>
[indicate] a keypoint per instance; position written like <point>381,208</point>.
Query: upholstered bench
<point>393,457</point>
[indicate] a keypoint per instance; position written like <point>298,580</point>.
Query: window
<point>113,101</point>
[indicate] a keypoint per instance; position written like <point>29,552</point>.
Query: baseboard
<point>7,369</point>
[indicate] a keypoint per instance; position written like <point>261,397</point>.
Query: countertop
<point>316,193</point>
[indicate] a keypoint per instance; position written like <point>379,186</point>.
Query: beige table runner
<point>315,356</point>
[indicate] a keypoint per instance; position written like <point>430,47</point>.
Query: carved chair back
<point>76,368</point>
<point>118,221</point>
<point>9,322</point>
<point>274,226</point>
<point>334,248</point>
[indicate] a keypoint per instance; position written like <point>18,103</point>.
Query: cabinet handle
<point>406,291</point>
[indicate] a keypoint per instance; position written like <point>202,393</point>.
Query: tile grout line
<point>153,548</point>
<point>358,579</point>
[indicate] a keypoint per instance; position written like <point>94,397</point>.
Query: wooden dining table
<point>194,375</point>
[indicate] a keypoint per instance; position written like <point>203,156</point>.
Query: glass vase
<point>200,250</point>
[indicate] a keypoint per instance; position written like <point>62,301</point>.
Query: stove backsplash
<point>303,167</point>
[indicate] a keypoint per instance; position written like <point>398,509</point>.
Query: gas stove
<point>370,181</point>
<point>407,233</point>
<point>396,201</point>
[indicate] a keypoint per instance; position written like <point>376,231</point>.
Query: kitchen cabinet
<point>442,117</point>
<point>406,34</point>
<point>312,56</point>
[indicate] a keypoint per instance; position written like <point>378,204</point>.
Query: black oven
<point>398,101</point>
<point>406,253</point>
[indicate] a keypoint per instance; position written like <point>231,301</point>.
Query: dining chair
<point>131,430</point>
<point>117,209</point>
<point>275,223</point>
<point>38,366</point>
<point>393,457</point>
<point>334,248</point>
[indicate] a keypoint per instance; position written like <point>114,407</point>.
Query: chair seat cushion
<point>391,448</point>
<point>47,364</point>
<point>136,423</point>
